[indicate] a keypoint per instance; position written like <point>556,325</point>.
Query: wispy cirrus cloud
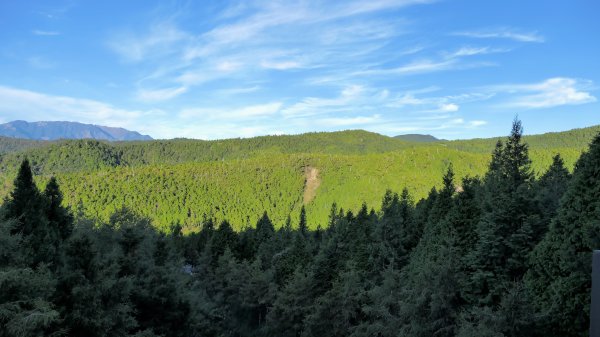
<point>258,38</point>
<point>351,98</point>
<point>16,103</point>
<point>245,112</point>
<point>155,43</point>
<point>549,93</point>
<point>503,33</point>
<point>472,51</point>
<point>155,95</point>
<point>350,121</point>
<point>40,32</point>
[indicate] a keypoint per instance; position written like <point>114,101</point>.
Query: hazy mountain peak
<point>414,137</point>
<point>46,130</point>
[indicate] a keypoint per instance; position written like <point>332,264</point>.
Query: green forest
<point>185,181</point>
<point>464,243</point>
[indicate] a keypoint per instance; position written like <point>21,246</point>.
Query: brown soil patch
<point>311,183</point>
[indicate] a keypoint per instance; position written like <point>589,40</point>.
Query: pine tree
<point>59,217</point>
<point>549,190</point>
<point>560,273</point>
<point>430,294</point>
<point>294,302</point>
<point>27,206</point>
<point>505,233</point>
<point>26,308</point>
<point>302,226</point>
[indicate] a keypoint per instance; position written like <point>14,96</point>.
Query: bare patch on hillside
<point>311,183</point>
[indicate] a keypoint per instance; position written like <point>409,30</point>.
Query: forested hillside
<point>504,254</point>
<point>8,144</point>
<point>184,181</point>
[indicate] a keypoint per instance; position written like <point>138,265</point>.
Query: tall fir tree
<point>560,273</point>
<point>505,231</point>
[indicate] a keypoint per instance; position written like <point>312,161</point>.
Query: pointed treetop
<point>24,180</point>
<point>516,133</point>
<point>448,181</point>
<point>53,193</point>
<point>264,225</point>
<point>302,226</point>
<point>25,197</point>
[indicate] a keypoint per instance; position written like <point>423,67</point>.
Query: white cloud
<point>281,65</point>
<point>417,67</point>
<point>257,110</point>
<point>157,95</point>
<point>228,66</point>
<point>477,123</point>
<point>349,121</point>
<point>350,98</point>
<point>549,93</point>
<point>260,36</point>
<point>449,107</point>
<point>33,106</point>
<point>472,51</point>
<point>238,91</point>
<point>45,32</point>
<point>247,112</point>
<point>39,62</point>
<point>503,33</point>
<point>157,42</point>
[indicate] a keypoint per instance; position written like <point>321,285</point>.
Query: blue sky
<point>221,69</point>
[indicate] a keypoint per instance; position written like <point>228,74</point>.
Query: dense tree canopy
<point>507,254</point>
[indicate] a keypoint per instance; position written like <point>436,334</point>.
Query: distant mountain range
<point>67,130</point>
<point>419,138</point>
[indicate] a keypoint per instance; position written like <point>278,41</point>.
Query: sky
<point>225,69</point>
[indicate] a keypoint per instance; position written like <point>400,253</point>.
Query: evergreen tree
<point>93,299</point>
<point>549,190</point>
<point>59,217</point>
<point>560,273</point>
<point>430,294</point>
<point>26,308</point>
<point>505,233</point>
<point>27,205</point>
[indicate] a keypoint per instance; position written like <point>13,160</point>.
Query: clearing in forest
<point>311,184</point>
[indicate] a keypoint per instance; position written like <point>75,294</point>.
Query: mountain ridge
<point>55,130</point>
<point>417,137</point>
<point>267,173</point>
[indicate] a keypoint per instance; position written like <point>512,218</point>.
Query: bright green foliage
<point>181,181</point>
<point>475,257</point>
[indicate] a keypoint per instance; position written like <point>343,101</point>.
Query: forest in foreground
<point>504,254</point>
<point>185,181</point>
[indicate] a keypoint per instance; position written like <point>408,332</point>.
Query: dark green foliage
<point>505,233</point>
<point>560,275</point>
<point>476,257</point>
<point>8,144</point>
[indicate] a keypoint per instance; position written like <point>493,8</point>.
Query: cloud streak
<point>503,33</point>
<point>550,93</point>
<point>16,103</point>
<point>40,32</point>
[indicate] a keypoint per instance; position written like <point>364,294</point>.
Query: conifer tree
<point>27,206</point>
<point>505,233</point>
<point>59,217</point>
<point>302,226</point>
<point>560,273</point>
<point>549,190</point>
